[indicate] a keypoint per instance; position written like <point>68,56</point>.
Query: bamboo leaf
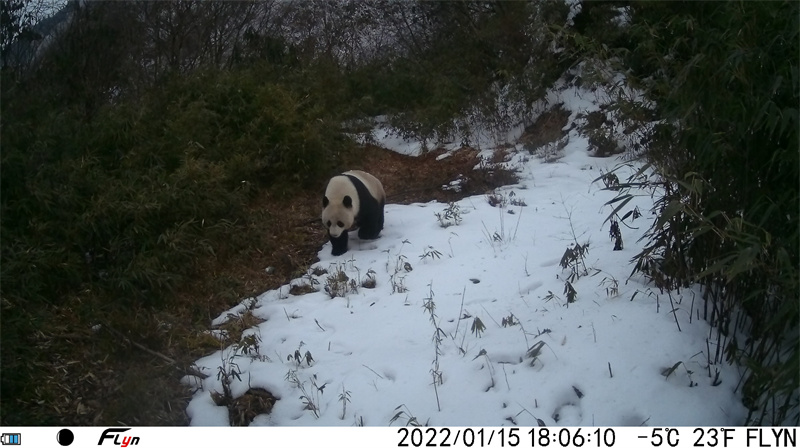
<point>669,371</point>
<point>716,267</point>
<point>743,262</point>
<point>668,213</point>
<point>619,198</point>
<point>535,351</point>
<point>630,212</point>
<point>614,213</point>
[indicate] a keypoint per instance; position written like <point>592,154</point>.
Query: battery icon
<point>10,439</point>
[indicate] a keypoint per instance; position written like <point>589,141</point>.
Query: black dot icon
<point>65,437</point>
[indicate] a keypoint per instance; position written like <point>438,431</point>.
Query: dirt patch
<point>420,179</point>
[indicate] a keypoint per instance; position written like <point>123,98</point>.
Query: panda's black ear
<point>348,202</point>
<point>325,201</point>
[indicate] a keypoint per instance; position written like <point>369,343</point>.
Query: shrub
<point>133,198</point>
<point>728,158</point>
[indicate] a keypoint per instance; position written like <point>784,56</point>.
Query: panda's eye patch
<point>328,223</point>
<point>340,224</point>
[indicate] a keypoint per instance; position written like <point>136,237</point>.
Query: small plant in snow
<point>451,216</point>
<point>497,239</point>
<point>493,238</point>
<point>402,264</point>
<point>477,326</point>
<point>229,370</point>
<point>574,256</point>
<point>353,286</point>
<point>310,277</point>
<point>249,344</point>
<point>667,371</point>
<point>398,283</point>
<point>438,380</point>
<point>612,290</point>
<point>394,264</point>
<point>436,374</point>
<point>336,284</point>
<point>405,414</point>
<point>497,200</point>
<point>430,307</point>
<point>635,212</point>
<point>551,295</point>
<point>430,252</point>
<point>226,372</point>
<point>370,281</point>
<point>397,278</point>
<point>535,351</point>
<point>516,202</point>
<point>344,398</point>
<point>570,292</point>
<point>488,365</point>
<point>509,321</point>
<point>298,358</point>
<point>615,234</point>
<point>610,180</point>
<point>310,400</point>
<point>573,259</point>
<point>611,284</point>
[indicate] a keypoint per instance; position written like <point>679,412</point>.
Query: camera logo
<point>10,439</point>
<point>124,441</point>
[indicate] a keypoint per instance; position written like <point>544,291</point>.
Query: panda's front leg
<point>339,244</point>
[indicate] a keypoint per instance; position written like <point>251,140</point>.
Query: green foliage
<point>134,199</point>
<point>726,83</point>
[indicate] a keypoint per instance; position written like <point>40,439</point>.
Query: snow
<point>601,360</point>
<point>575,8</point>
<point>386,136</point>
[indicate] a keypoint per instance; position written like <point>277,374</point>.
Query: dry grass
<point>546,129</point>
<point>234,327</point>
<point>127,370</point>
<point>299,290</point>
<point>254,402</point>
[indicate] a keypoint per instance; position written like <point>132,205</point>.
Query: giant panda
<point>353,199</point>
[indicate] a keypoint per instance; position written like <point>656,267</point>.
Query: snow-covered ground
<point>469,324</point>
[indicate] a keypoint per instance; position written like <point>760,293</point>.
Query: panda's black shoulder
<point>361,189</point>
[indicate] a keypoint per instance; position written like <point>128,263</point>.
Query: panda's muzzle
<point>336,230</point>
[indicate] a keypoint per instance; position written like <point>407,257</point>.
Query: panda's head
<point>340,206</point>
